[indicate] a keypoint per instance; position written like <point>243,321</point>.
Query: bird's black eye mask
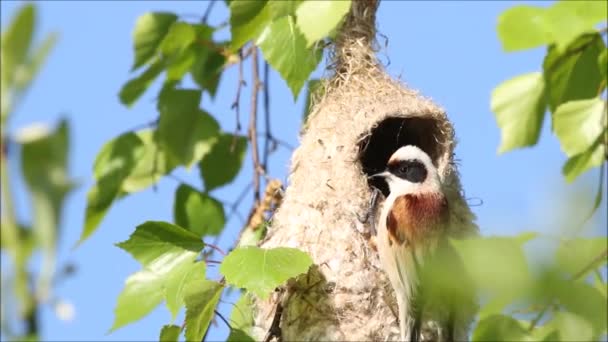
<point>411,170</point>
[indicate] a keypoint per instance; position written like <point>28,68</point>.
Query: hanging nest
<point>362,117</point>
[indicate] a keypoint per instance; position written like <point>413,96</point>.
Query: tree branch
<point>268,135</point>
<point>253,126</point>
<point>236,102</point>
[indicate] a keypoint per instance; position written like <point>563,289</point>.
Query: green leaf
<point>522,27</point>
<point>578,124</point>
<point>247,20</point>
<point>207,68</point>
<point>228,152</point>
<point>583,300</point>
<point>179,65</point>
<point>135,87</point>
<point>496,264</point>
<point>170,333</point>
<point>14,47</point>
<point>44,164</point>
<point>284,47</point>
<point>150,30</point>
<point>178,38</point>
<point>201,300</point>
<point>280,9</point>
<point>566,20</point>
<point>602,62</point>
<point>316,19</point>
<point>592,12</point>
<point>241,317</point>
<point>261,270</point>
<point>580,163</point>
<point>251,237</point>
<point>30,68</point>
<point>184,130</point>
<point>499,328</point>
<point>570,327</point>
<point>600,285</point>
<point>154,242</point>
<point>153,164</point>
<point>574,255</point>
<point>237,335</point>
<point>167,253</point>
<point>113,164</point>
<point>142,293</point>
<point>183,54</point>
<point>16,40</point>
<point>198,212</point>
<point>180,277</point>
<point>573,74</point>
<point>519,106</point>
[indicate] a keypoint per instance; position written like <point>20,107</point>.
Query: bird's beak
<point>382,174</point>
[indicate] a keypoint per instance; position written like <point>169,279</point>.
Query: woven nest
<point>362,117</point>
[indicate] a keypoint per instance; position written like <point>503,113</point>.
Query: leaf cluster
<point>570,85</point>
<point>524,299</point>
<point>291,36</point>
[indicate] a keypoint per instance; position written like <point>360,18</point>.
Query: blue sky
<point>448,50</point>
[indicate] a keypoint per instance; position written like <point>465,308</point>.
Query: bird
<point>413,222</point>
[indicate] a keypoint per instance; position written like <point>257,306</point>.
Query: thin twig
<point>253,126</point>
<point>277,142</point>
<point>269,137</point>
<point>208,11</point>
<point>223,319</point>
<point>236,103</point>
<point>179,180</point>
<point>212,246</point>
<point>145,125</point>
<point>591,265</point>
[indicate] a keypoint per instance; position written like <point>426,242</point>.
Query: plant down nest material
<point>361,117</point>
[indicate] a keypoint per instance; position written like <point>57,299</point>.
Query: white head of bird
<point>410,170</point>
<point>413,216</point>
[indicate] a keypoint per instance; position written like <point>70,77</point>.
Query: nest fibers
<point>362,117</point>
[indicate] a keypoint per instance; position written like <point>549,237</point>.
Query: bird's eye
<point>403,169</point>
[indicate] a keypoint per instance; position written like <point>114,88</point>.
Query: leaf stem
<point>223,319</point>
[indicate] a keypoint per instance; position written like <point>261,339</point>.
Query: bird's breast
<point>414,218</point>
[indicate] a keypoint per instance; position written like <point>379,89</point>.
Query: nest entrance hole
<point>377,145</point>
